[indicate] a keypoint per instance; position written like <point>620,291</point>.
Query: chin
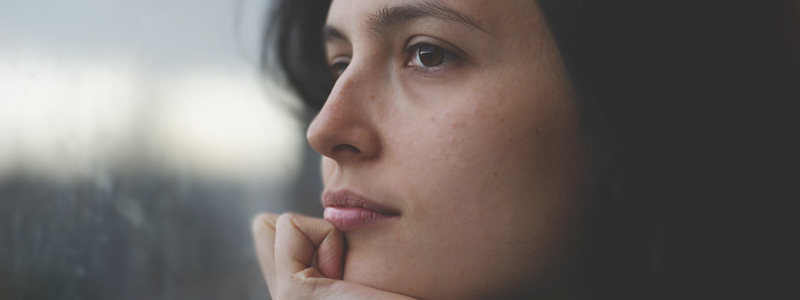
<point>408,275</point>
<point>388,267</point>
<point>375,270</point>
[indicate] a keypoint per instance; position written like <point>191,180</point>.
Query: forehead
<point>493,16</point>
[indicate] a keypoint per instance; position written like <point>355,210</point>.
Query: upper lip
<point>346,198</point>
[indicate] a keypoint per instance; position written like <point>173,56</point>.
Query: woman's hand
<point>303,258</point>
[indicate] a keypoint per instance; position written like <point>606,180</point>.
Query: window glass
<point>137,141</point>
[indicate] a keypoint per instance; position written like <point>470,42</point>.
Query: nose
<point>344,130</point>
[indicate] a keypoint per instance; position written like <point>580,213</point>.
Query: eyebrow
<point>389,18</point>
<point>330,33</point>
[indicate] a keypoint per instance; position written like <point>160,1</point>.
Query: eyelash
<point>410,57</point>
<point>338,66</point>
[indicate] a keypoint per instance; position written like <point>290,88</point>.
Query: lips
<point>349,211</point>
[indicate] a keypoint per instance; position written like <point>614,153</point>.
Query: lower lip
<point>351,218</point>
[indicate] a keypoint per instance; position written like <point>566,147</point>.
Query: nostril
<point>345,148</point>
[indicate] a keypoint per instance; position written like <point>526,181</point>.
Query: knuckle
<point>303,276</point>
<point>300,287</point>
<point>291,218</point>
<point>263,223</point>
<point>328,227</point>
<point>306,282</point>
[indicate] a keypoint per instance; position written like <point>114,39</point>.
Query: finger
<point>351,291</point>
<point>296,240</point>
<point>314,262</point>
<point>298,237</point>
<point>264,226</point>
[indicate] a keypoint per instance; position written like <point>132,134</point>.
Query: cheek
<point>493,174</point>
<point>328,168</point>
<point>458,142</point>
<point>484,172</point>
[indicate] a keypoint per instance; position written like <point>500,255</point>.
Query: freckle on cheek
<point>500,117</point>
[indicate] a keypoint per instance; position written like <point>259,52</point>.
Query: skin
<point>481,155</point>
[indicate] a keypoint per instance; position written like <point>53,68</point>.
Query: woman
<point>496,149</point>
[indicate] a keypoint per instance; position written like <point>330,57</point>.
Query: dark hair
<point>294,51</point>
<point>660,85</point>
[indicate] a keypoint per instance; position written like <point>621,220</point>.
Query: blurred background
<point>137,141</point>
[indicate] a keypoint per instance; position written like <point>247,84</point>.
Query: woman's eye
<point>429,56</point>
<point>338,65</point>
<point>338,68</point>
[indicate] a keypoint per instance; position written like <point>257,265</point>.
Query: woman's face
<point>455,121</point>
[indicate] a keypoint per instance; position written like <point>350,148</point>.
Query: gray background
<point>137,141</point>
